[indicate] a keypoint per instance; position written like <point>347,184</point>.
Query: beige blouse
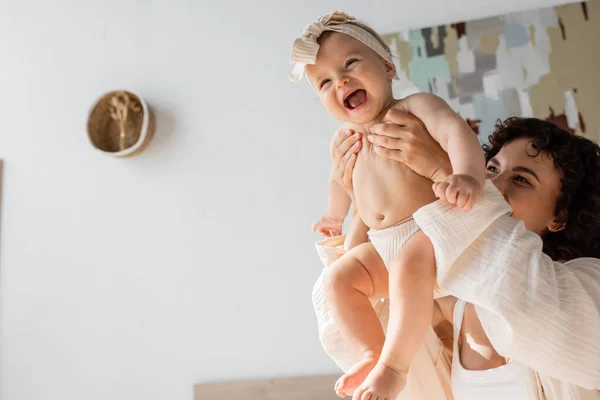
<point>543,313</point>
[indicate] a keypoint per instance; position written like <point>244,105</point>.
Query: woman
<point>531,277</point>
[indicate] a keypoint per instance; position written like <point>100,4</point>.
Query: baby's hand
<point>460,190</point>
<point>328,226</point>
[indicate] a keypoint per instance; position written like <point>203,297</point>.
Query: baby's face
<point>352,81</point>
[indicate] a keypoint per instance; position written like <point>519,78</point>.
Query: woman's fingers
<point>349,168</point>
<point>388,130</point>
<point>342,162</point>
<point>395,155</point>
<point>347,176</point>
<point>342,142</point>
<point>390,142</point>
<point>340,135</point>
<point>404,138</point>
<point>399,117</point>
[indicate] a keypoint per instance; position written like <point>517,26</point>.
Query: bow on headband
<point>306,47</point>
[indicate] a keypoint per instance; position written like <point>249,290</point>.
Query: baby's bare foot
<point>382,383</point>
<point>347,384</point>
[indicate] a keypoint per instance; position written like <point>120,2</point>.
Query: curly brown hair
<point>578,204</point>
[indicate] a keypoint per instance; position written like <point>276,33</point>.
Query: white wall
<point>136,278</point>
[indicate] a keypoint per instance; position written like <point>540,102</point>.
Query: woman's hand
<point>402,137</point>
<point>343,150</point>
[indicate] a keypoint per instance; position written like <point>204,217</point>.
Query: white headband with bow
<point>306,47</point>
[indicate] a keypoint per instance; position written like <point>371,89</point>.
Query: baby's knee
<point>334,279</point>
<point>341,275</point>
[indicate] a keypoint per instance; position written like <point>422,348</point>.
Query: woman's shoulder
<point>581,276</point>
<point>586,268</point>
<point>584,264</point>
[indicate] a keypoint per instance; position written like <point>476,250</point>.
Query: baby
<point>351,70</point>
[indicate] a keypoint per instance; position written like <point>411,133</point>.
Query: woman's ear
<point>556,226</point>
<point>390,70</point>
<point>559,223</point>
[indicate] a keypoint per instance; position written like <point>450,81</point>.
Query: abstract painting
<point>542,63</point>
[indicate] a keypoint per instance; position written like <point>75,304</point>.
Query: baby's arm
<point>338,204</point>
<point>451,131</point>
<point>357,232</point>
<point>454,135</point>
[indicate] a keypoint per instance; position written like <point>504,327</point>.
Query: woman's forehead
<point>522,152</point>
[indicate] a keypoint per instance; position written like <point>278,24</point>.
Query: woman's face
<point>531,185</point>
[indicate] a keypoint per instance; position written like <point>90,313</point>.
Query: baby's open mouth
<point>355,99</point>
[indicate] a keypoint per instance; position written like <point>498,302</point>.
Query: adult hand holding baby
<point>402,137</point>
<point>344,149</point>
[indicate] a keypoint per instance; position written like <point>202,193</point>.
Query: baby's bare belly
<point>387,192</point>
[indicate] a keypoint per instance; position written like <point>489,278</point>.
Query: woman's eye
<point>350,62</point>
<point>522,180</point>
<point>491,168</point>
<point>324,82</point>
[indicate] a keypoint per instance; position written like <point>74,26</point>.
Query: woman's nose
<point>501,183</point>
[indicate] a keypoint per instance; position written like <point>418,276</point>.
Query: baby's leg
<point>412,280</point>
<point>348,283</point>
